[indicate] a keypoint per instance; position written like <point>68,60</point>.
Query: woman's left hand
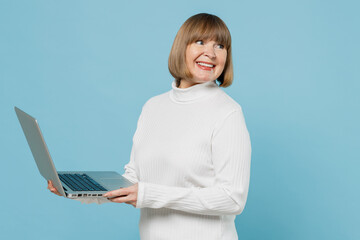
<point>124,195</point>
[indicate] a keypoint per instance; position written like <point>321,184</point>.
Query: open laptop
<point>70,184</point>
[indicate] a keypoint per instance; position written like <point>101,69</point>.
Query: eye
<point>200,42</point>
<point>220,46</point>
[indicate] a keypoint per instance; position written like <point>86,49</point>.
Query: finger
<point>56,192</point>
<point>116,193</point>
<point>53,189</point>
<point>120,199</point>
<point>124,199</point>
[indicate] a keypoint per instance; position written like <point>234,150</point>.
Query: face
<point>205,60</point>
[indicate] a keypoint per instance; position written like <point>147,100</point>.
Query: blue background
<point>85,68</point>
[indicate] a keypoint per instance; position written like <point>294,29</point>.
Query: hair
<point>202,26</point>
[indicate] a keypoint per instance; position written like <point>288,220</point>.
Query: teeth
<point>205,64</point>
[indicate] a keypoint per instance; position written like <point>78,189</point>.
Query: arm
<point>130,171</point>
<point>231,154</point>
<point>130,168</point>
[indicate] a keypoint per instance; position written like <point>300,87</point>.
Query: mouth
<point>205,65</point>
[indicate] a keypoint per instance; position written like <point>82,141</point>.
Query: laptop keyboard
<point>80,182</point>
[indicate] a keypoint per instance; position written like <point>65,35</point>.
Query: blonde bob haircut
<point>201,26</point>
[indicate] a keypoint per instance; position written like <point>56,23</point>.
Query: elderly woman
<point>190,160</point>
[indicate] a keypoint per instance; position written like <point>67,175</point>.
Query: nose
<point>209,51</point>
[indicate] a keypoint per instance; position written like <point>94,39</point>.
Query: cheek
<point>189,58</point>
<point>222,60</point>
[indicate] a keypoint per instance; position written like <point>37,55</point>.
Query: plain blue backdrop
<point>85,68</point>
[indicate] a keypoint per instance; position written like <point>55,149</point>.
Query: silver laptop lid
<point>39,149</point>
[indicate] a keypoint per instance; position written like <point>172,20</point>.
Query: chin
<point>203,79</point>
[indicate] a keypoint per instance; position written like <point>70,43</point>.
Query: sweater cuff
<point>140,195</point>
<point>158,196</point>
<point>152,195</point>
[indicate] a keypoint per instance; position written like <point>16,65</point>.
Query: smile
<point>205,66</point>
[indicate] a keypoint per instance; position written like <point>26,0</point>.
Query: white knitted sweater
<point>191,157</point>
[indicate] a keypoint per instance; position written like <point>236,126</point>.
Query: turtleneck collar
<point>193,93</point>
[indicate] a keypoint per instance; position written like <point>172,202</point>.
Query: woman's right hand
<point>52,188</point>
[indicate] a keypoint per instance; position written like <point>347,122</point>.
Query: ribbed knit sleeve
<point>130,168</point>
<point>231,154</point>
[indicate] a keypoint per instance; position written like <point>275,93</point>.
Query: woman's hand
<point>52,188</point>
<point>124,195</point>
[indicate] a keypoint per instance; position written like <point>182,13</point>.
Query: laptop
<point>70,184</point>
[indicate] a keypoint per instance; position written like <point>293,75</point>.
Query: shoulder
<point>157,100</point>
<point>230,113</point>
<point>225,104</point>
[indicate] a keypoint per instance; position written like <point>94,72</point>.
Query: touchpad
<point>114,183</point>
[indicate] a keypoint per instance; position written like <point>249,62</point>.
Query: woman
<point>190,160</point>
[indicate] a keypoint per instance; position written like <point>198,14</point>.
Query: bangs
<point>209,28</point>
